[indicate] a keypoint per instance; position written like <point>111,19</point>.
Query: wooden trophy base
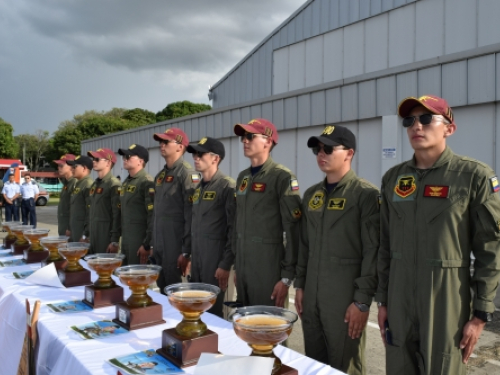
<point>132,318</point>
<point>60,264</point>
<point>35,256</point>
<point>184,352</point>
<point>78,278</point>
<point>287,370</point>
<point>7,243</point>
<point>19,249</point>
<point>96,298</point>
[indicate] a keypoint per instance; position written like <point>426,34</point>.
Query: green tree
<point>139,116</point>
<point>8,147</point>
<point>32,148</point>
<point>181,109</point>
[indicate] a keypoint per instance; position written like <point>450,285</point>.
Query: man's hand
<point>279,294</point>
<point>470,334</point>
<point>299,297</point>
<point>182,263</point>
<point>223,277</point>
<point>112,248</point>
<point>382,318</point>
<point>86,239</point>
<point>143,255</point>
<point>68,233</point>
<point>357,321</point>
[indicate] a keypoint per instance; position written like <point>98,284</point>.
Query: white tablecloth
<point>62,352</point>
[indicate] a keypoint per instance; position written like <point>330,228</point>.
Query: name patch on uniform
<point>495,186</point>
<point>336,204</point>
<point>436,191</point>
<point>195,177</point>
<point>405,186</point>
<point>209,195</point>
<point>294,184</point>
<point>150,207</point>
<point>243,186</point>
<point>317,200</point>
<point>159,179</point>
<point>130,189</point>
<point>196,196</point>
<point>259,187</point>
<point>169,178</point>
<point>99,190</point>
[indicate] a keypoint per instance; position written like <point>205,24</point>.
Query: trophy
<point>21,243</point>
<point>73,274</point>
<point>11,237</point>
<point>51,244</point>
<point>104,291</point>
<point>262,328</point>
<point>184,344</point>
<point>35,253</point>
<point>139,310</point>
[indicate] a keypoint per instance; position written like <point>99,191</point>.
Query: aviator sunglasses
<point>424,119</point>
<point>326,149</point>
<point>250,136</point>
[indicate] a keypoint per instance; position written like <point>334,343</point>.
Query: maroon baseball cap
<point>435,104</point>
<point>65,158</point>
<point>258,126</point>
<point>173,134</point>
<point>103,153</point>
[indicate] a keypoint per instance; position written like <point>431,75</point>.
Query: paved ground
<point>486,359</point>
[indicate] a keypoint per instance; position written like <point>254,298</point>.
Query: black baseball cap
<point>134,149</point>
<point>334,136</point>
<point>81,160</point>
<point>208,144</point>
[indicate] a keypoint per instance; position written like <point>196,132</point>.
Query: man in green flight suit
<point>79,202</point>
<point>436,208</point>
<point>267,204</point>
<point>213,215</point>
<point>337,262</point>
<point>137,197</point>
<point>174,187</point>
<point>104,211</point>
<point>63,208</point>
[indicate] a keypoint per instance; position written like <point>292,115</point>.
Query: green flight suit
<point>63,208</point>
<point>79,202</point>
<point>172,219</point>
<point>137,196</point>
<point>267,204</point>
<point>104,213</point>
<point>211,229</point>
<point>430,222</point>
<point>337,264</point>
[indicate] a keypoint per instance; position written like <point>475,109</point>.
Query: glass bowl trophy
<point>21,243</point>
<point>139,310</point>
<point>73,274</point>
<point>184,344</point>
<point>11,237</point>
<point>262,328</point>
<point>104,291</point>
<point>52,243</point>
<point>35,253</point>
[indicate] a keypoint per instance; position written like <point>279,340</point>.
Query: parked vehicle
<point>43,196</point>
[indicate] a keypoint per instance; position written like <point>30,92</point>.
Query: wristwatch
<point>363,307</point>
<point>286,281</point>
<point>483,315</point>
<point>186,255</point>
<point>381,304</point>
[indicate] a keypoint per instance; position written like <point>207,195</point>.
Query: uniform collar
<point>349,176</point>
<point>218,175</point>
<point>138,174</point>
<point>444,158</point>
<point>265,167</point>
<point>176,164</point>
<point>108,176</point>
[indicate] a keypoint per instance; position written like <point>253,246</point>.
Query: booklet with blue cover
<point>98,330</point>
<point>13,263</point>
<point>68,307</point>
<point>22,274</point>
<point>145,362</point>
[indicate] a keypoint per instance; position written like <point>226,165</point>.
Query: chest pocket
<point>456,203</point>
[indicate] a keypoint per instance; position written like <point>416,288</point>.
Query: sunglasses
<point>326,149</point>
<point>128,157</point>
<point>424,119</point>
<point>250,136</point>
<point>167,141</point>
<point>97,160</point>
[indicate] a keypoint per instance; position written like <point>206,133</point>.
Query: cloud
<point>204,36</point>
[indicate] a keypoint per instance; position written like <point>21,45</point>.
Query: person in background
<point>29,195</point>
<point>11,191</point>
<point>63,208</point>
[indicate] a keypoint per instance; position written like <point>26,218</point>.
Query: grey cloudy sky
<point>59,58</point>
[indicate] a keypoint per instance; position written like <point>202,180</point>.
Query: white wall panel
<point>429,81</point>
<point>353,10</point>
<point>297,66</point>
<point>255,73</point>
<point>367,94</point>
<point>376,43</point>
<point>334,14</point>
<point>227,125</point>
<point>218,125</point>
<point>386,96</point>
<point>304,110</point>
<point>155,163</point>
<point>318,108</point>
<point>333,63</point>
<point>245,94</point>
<point>364,9</point>
<point>249,84</point>
<point>406,85</point>
<point>291,32</point>
<point>353,126</point>
<point>349,102</point>
<point>333,106</point>
<point>307,33</point>
<point>299,26</point>
<point>387,4</point>
<point>278,114</point>
<point>280,71</point>
<point>496,166</point>
<point>480,85</point>
<point>488,26</point>
<point>314,61</point>
<point>375,7</point>
<point>325,16</point>
<point>454,87</point>
<point>285,151</point>
<point>369,150</point>
<point>307,170</point>
<point>354,49</point>
<point>225,166</point>
<point>344,12</point>
<point>291,112</point>
<point>237,159</point>
<point>267,112</point>
<point>210,126</point>
<point>245,115</point>
<point>429,29</point>
<point>402,35</point>
<point>316,17</point>
<point>235,118</point>
<point>460,25</point>
<point>256,111</point>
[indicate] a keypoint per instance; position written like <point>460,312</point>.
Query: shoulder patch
<point>151,191</point>
<point>282,167</point>
<point>150,207</point>
<point>294,184</point>
<point>195,178</point>
<point>495,186</point>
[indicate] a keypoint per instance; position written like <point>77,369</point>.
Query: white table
<point>62,352</point>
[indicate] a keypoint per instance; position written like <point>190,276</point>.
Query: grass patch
<point>53,201</point>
